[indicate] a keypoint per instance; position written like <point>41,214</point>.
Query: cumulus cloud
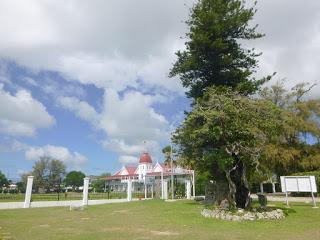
<point>91,48</point>
<point>120,45</point>
<point>63,154</point>
<point>124,159</point>
<point>291,45</point>
<point>21,114</point>
<point>130,122</point>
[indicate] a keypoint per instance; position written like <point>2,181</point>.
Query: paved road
<point>273,198</point>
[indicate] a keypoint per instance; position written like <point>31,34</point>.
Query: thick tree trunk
<point>238,183</point>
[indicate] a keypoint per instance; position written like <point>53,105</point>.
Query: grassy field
<point>19,197</point>
<point>152,219</point>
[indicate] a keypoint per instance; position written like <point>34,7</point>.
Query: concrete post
<point>162,184</point>
<point>261,187</point>
<point>152,191</point>
<point>273,187</point>
<point>145,190</point>
<point>193,185</point>
<point>188,189</point>
<point>85,191</point>
<point>27,199</point>
<point>165,189</point>
<point>129,190</point>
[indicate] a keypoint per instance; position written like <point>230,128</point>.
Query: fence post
<point>27,199</point>
<point>193,184</point>
<point>188,189</point>
<point>85,191</point>
<point>129,190</point>
<point>165,189</point>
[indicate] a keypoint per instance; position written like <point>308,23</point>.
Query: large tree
<point>224,135</point>
<point>214,54</point>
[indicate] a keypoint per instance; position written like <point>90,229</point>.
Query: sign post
<point>299,184</point>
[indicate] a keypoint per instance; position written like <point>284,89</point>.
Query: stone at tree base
<point>243,216</point>
<point>225,204</point>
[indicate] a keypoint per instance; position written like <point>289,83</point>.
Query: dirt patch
<point>44,225</point>
<point>121,211</point>
<point>163,233</point>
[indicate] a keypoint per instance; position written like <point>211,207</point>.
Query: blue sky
<point>70,132</point>
<point>87,81</point>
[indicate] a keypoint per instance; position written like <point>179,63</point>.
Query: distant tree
<point>295,154</point>
<point>48,173</point>
<point>3,180</point>
<point>167,155</point>
<point>99,184</point>
<point>74,179</point>
<point>215,54</point>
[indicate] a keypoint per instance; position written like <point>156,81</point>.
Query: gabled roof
<point>126,170</point>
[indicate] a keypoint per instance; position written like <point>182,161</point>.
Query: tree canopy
<point>3,180</point>
<point>214,54</point>
<point>225,130</point>
<point>74,178</point>
<point>48,172</point>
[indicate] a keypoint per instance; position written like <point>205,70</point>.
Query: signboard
<point>299,184</point>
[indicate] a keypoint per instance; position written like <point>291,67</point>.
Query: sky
<point>87,82</point>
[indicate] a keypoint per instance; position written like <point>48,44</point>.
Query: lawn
<point>152,219</point>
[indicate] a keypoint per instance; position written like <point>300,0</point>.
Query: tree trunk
<point>238,184</point>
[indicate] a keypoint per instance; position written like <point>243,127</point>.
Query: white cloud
<point>12,145</point>
<point>128,121</point>
<point>21,114</point>
<point>63,154</point>
<point>125,159</point>
<point>106,43</point>
<point>291,45</point>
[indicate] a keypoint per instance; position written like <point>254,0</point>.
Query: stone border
<point>241,215</point>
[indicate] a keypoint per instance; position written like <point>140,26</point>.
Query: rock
<point>225,204</point>
<point>242,215</point>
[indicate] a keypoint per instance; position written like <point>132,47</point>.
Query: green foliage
<point>3,180</point>
<point>48,173</point>
<point>99,184</point>
<point>74,179</point>
<point>224,124</point>
<point>214,55</point>
<point>167,155</point>
<point>293,154</point>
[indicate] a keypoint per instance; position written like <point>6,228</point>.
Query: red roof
<point>129,169</point>
<point>145,158</point>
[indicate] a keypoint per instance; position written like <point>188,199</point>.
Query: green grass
<point>19,197</point>
<point>152,219</point>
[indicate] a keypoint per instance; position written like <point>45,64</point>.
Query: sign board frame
<point>299,184</point>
